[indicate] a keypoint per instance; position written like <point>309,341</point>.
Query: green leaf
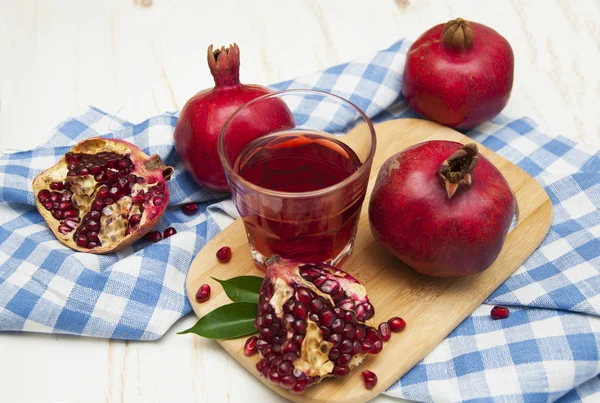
<point>242,288</point>
<point>227,322</point>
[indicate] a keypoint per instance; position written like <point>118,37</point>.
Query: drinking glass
<point>300,183</point>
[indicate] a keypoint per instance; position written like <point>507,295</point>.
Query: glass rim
<point>232,174</point>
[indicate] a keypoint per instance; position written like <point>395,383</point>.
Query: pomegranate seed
<point>224,254</point>
<point>189,209</point>
<point>82,241</point>
<point>350,317</point>
<point>57,186</point>
<point>71,213</point>
<point>344,358</point>
<point>158,200</point>
<point>377,347</point>
<point>114,193</point>
<point>348,332</point>
<point>153,236</point>
<point>304,296</point>
<point>364,311</point>
<point>98,205</point>
<point>169,232</point>
<point>299,388</point>
<point>385,331</point>
<point>95,170</point>
<point>340,371</point>
<point>250,346</point>
<point>316,305</point>
<point>325,331</point>
<point>57,214</point>
<point>367,345</point>
<point>285,368</point>
<point>108,201</point>
<point>274,376</point>
<point>335,340</point>
<point>92,245</point>
<point>334,354</point>
<point>102,192</point>
<point>137,199</point>
<point>43,195</point>
<point>92,236</point>
<point>203,293</point>
<point>83,172</point>
<point>499,312</point>
<point>337,326</point>
<point>370,379</point>
<point>356,347</point>
<point>92,225</point>
<point>360,333</point>
<point>288,381</point>
<point>346,346</point>
<point>327,317</point>
<point>330,287</point>
<point>55,196</point>
<point>135,219</point>
<point>66,196</point>
<point>64,205</point>
<point>48,205</point>
<point>346,304</point>
<point>397,324</point>
<point>64,229</point>
<point>301,311</point>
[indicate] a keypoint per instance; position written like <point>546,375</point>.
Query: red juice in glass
<point>300,161</point>
<point>298,187</point>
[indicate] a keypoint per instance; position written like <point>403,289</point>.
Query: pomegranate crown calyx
<point>456,170</point>
<point>224,64</point>
<point>458,34</point>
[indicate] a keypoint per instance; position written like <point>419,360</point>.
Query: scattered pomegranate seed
<point>189,209</point>
<point>370,379</point>
<point>250,346</point>
<point>169,232</point>
<point>153,236</point>
<point>397,324</point>
<point>499,312</point>
<point>203,293</point>
<point>224,254</point>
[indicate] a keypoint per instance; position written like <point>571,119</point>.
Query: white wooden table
<point>136,59</point>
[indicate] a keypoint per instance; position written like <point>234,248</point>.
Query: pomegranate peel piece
<point>313,319</point>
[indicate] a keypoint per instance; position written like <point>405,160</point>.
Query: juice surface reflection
<point>316,228</point>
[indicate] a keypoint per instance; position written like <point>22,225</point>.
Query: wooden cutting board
<point>431,307</point>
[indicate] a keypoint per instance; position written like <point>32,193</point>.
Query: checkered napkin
<point>547,350</point>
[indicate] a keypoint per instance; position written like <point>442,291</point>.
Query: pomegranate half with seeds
<point>103,195</point>
<point>313,324</point>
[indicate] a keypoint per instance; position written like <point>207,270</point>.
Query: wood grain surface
<point>432,307</point>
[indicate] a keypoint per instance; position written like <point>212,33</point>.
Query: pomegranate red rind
<point>103,195</point>
<point>313,322</point>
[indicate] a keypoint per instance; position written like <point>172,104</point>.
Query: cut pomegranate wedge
<point>103,195</point>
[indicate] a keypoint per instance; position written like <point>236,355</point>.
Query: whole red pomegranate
<point>203,115</point>
<point>441,208</point>
<point>313,322</point>
<point>459,74</point>
<point>103,195</point>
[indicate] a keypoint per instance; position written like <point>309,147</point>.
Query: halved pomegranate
<point>103,195</point>
<point>313,323</point>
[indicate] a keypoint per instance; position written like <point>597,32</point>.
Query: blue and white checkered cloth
<point>547,350</point>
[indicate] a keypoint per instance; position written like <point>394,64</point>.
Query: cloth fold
<point>547,350</point>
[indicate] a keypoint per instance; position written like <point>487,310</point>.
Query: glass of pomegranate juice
<point>298,165</point>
